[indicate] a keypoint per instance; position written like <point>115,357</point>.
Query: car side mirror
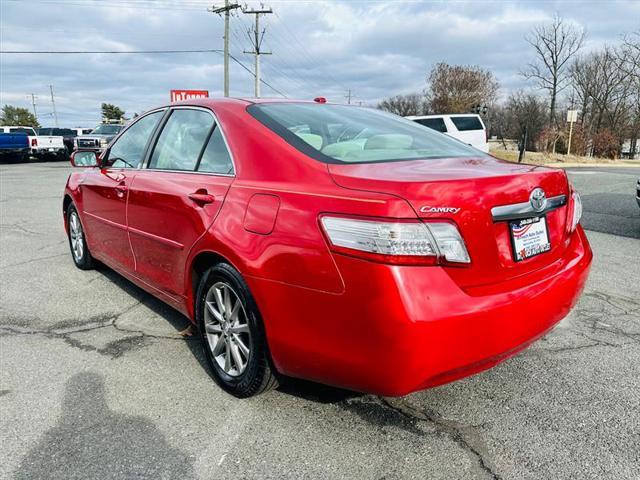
<point>84,158</point>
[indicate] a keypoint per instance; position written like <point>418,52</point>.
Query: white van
<point>466,127</point>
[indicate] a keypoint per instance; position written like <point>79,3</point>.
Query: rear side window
<point>467,123</point>
<point>128,150</point>
<point>436,124</point>
<point>28,131</point>
<point>182,140</point>
<point>216,158</point>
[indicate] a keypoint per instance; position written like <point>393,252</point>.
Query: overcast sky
<point>374,48</point>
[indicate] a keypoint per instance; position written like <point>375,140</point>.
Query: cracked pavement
<point>97,382</point>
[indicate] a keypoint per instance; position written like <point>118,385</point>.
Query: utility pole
<point>257,41</point>
<point>53,103</point>
<point>348,96</point>
<point>228,7</point>
<point>33,102</point>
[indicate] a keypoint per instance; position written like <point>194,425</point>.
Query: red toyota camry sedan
<point>333,243</point>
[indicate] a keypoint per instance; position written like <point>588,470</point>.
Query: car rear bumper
<point>47,150</point>
<point>395,329</point>
<point>14,151</point>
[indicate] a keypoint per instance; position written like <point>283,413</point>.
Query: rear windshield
<point>107,129</point>
<point>348,134</point>
<point>467,123</point>
<point>436,124</point>
<point>28,131</point>
<point>56,131</point>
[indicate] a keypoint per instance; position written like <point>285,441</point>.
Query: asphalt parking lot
<point>96,382</point>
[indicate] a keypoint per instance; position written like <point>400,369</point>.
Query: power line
<point>81,52</point>
<point>261,80</point>
<point>138,52</point>
<point>257,41</point>
<point>304,50</point>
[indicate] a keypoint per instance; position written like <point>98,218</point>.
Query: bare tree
<point>457,88</point>
<point>604,86</point>
<point>555,44</point>
<point>630,54</point>
<point>404,105</point>
<point>630,61</point>
<point>525,112</point>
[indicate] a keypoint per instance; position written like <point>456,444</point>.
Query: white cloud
<point>376,49</point>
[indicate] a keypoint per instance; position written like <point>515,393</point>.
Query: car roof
<point>238,101</point>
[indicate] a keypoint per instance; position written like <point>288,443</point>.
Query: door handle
<point>202,198</point>
<point>121,189</point>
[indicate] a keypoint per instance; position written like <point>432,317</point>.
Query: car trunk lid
<point>465,190</point>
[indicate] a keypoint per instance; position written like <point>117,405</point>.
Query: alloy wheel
<point>76,236</point>
<point>227,329</point>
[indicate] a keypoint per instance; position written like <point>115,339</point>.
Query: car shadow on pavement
<point>303,389</point>
<point>91,441</point>
<point>180,323</point>
<point>315,392</point>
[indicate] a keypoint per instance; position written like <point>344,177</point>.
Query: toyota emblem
<point>538,199</point>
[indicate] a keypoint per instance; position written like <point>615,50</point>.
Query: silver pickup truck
<point>98,139</point>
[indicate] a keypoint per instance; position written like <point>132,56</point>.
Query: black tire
<point>81,256</point>
<point>258,375</point>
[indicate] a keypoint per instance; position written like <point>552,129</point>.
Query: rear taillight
<point>34,142</point>
<point>397,242</point>
<point>576,210</point>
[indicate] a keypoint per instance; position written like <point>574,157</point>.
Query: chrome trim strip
<point>157,238</point>
<point>104,220</point>
<point>517,211</point>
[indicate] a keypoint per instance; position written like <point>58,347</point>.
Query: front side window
<point>348,134</point>
<point>128,151</point>
<point>182,140</point>
<point>216,158</point>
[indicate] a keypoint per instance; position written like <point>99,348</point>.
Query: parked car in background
<point>32,136</point>
<point>40,145</point>
<point>98,139</point>
<point>468,128</point>
<point>387,260</point>
<point>14,147</point>
<point>68,135</point>
<point>82,131</point>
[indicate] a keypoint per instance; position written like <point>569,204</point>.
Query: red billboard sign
<point>177,95</point>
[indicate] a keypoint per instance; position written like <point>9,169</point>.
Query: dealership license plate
<point>529,237</point>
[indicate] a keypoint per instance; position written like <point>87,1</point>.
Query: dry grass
<point>541,158</point>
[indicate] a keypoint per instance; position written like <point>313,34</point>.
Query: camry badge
<point>538,199</point>
<point>427,209</point>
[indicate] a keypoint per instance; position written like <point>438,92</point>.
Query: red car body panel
<point>329,317</point>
